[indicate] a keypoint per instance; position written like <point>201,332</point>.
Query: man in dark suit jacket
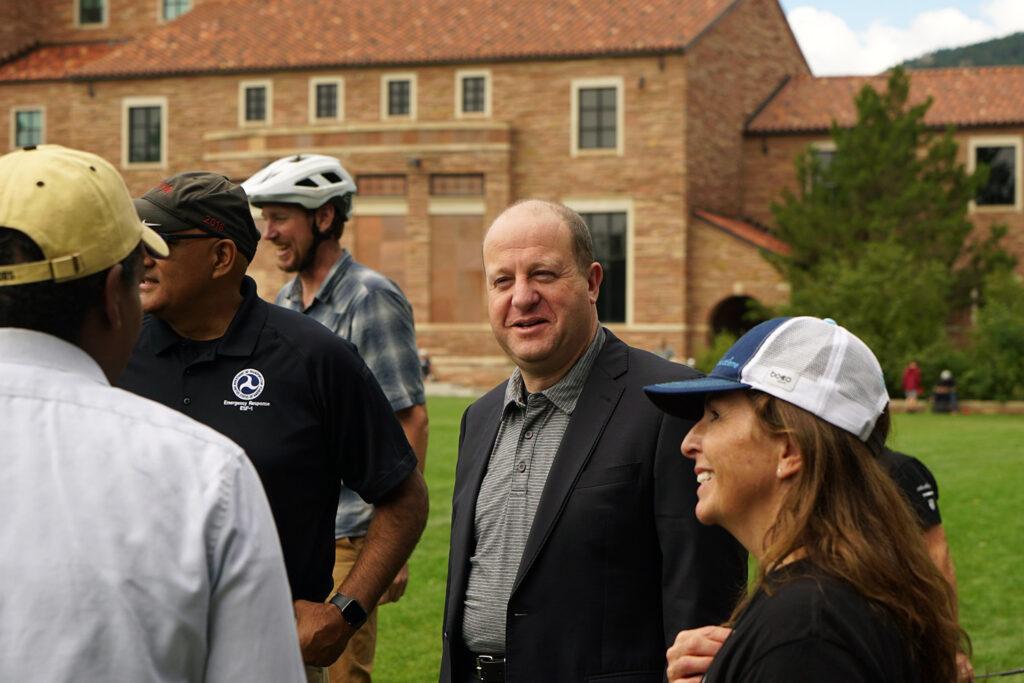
<point>575,553</point>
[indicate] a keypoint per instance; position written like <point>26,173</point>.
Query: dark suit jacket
<point>616,563</point>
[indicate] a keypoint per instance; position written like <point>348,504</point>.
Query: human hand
<point>397,588</point>
<point>323,632</point>
<point>964,668</point>
<point>692,652</point>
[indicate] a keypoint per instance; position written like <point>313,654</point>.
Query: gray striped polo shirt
<point>531,431</point>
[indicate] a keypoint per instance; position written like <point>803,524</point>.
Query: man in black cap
<point>296,397</point>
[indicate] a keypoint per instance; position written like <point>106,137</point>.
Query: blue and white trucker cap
<point>812,363</point>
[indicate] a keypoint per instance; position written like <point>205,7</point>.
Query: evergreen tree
<point>879,234</point>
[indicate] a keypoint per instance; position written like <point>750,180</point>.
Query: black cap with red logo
<point>197,200</point>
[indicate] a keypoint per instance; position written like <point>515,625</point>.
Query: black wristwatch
<point>351,611</point>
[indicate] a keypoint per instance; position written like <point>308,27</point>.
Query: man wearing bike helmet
<point>306,200</point>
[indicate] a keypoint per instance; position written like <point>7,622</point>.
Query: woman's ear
<point>791,459</point>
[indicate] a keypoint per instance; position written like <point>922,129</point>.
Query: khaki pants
<point>356,663</point>
<point>317,674</point>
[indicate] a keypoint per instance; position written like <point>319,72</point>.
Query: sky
<point>841,37</point>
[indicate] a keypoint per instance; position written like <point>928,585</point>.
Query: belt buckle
<point>481,661</point>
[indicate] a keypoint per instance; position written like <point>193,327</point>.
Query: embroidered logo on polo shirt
<point>248,385</point>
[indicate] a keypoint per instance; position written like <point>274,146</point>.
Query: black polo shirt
<point>916,483</point>
<point>302,404</point>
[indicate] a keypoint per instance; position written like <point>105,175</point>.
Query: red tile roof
<point>242,35</point>
<point>965,96</point>
<point>747,232</point>
<point>52,62</point>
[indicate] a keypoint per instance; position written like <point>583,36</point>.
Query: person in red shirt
<point>912,385</point>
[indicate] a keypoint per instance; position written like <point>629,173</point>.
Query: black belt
<point>488,668</point>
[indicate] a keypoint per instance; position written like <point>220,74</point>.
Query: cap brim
<point>154,243</point>
<point>686,398</point>
<point>157,217</point>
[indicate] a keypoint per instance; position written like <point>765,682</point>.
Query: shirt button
<point>186,400</point>
<point>529,434</point>
<point>521,466</point>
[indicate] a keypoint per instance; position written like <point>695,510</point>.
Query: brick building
<point>670,124</point>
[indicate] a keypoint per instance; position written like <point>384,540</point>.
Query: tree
<point>996,361</point>
<point>879,235</point>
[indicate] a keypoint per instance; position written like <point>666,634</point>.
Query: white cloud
<point>1006,16</point>
<point>833,48</point>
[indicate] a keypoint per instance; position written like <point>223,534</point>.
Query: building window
<point>472,93</point>
<point>28,127</point>
<point>254,106</point>
<point>1001,187</point>
<point>398,96</point>
<point>597,116</point>
<point>92,12</point>
<point>145,132</point>
<point>326,99</point>
<point>144,135</point>
<point>256,103</point>
<point>172,9</point>
<point>823,154</point>
<point>456,184</point>
<point>381,185</point>
<point>1001,154</point>
<point>608,230</point>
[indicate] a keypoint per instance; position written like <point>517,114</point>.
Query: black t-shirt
<point>812,628</point>
<point>302,404</point>
<point>917,484</point>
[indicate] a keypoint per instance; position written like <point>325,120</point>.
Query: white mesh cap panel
<point>823,369</point>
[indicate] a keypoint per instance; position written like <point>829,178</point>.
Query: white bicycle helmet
<point>310,180</point>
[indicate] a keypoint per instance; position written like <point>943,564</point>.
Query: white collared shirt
<point>135,543</point>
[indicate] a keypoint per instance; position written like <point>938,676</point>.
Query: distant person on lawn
<point>912,385</point>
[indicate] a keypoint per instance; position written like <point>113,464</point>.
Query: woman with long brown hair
<point>791,421</point>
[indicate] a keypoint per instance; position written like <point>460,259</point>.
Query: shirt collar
<point>28,347</point>
<point>327,287</point>
<point>564,393</point>
<point>241,336</point>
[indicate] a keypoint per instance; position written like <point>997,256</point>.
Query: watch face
<point>351,611</point>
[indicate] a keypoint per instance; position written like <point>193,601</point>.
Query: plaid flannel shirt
<point>369,310</point>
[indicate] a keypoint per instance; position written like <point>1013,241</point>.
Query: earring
<point>778,471</point>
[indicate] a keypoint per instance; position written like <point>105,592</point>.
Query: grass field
<point>977,460</point>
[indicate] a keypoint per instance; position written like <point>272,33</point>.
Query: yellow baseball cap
<point>75,207</point>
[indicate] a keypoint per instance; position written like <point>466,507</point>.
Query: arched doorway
<point>735,315</point>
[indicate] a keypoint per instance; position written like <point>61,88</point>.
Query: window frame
<point>129,103</point>
<point>1015,141</point>
<point>578,84</point>
<point>460,74</point>
<point>99,24</point>
<point>14,123</point>
<point>625,205</point>
<point>337,81</point>
<point>268,119</point>
<point>162,18</point>
<point>385,80</point>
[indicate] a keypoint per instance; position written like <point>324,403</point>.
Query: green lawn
<point>977,460</point>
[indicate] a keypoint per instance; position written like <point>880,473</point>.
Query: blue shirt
<point>370,311</point>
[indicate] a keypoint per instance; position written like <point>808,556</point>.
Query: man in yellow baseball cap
<point>76,209</point>
<point>108,549</point>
